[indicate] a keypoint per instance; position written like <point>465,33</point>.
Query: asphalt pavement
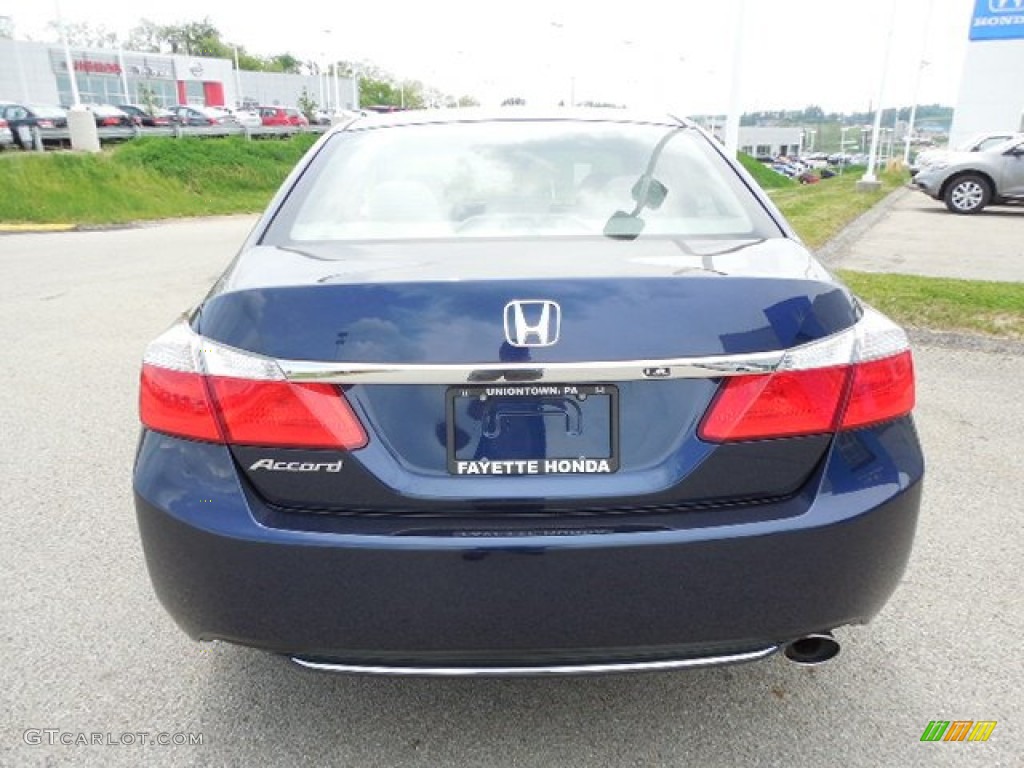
<point>89,655</point>
<point>910,233</point>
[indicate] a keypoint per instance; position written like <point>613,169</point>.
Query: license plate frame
<point>546,400</point>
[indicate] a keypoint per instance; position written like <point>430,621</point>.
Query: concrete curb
<point>835,250</point>
<point>925,337</point>
<point>21,229</point>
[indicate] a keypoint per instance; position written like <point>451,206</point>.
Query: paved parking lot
<point>87,649</point>
<point>915,235</point>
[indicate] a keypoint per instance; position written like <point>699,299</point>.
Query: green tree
<point>307,104</point>
<point>378,93</point>
<point>284,62</point>
<point>146,37</point>
<point>85,35</point>
<point>249,62</point>
<point>147,99</point>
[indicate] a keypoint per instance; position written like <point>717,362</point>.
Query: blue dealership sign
<point>998,20</point>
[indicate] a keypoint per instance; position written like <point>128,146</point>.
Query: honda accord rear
<point>526,394</point>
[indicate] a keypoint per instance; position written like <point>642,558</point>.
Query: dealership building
<point>992,88</point>
<point>37,73</point>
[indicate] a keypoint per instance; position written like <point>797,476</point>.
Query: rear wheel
<point>967,194</point>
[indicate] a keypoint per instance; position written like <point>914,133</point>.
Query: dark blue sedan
<point>515,393</point>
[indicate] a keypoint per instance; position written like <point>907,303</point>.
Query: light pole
<point>869,182</point>
<point>238,80</point>
<point>732,122</point>
<point>913,114</point>
<point>843,143</point>
<point>917,82</point>
<point>572,78</point>
<point>81,125</point>
<point>76,99</point>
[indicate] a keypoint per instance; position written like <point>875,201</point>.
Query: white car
<point>244,117</point>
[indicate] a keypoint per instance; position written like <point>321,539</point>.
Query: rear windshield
<point>518,179</point>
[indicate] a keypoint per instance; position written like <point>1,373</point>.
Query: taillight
<point>881,390</point>
<point>776,405</point>
<point>195,389</point>
<point>109,121</point>
<point>861,377</point>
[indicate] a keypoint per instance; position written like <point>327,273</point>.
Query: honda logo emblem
<point>532,323</point>
<point>1006,6</point>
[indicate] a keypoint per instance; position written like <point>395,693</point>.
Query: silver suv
<point>968,181</point>
<point>979,142</point>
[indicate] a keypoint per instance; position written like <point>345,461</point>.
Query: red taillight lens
<point>241,399</point>
<point>281,413</point>
<point>776,405</point>
<point>177,403</point>
<point>881,390</point>
<point>811,402</point>
<point>109,121</point>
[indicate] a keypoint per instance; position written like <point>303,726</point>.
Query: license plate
<point>533,429</point>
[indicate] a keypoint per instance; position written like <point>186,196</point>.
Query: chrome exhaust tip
<point>813,649</point>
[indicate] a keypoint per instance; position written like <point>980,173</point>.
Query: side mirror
<point>623,226</point>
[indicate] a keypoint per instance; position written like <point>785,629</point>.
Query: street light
<point>843,144</point>
<point>572,77</point>
<point>81,124</point>
<point>913,113</point>
<point>917,82</point>
<point>870,182</point>
<point>732,122</point>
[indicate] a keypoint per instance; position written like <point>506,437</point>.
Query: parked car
<point>282,116</point>
<point>6,136</point>
<point>158,118</point>
<point>969,181</point>
<point>458,408</point>
<point>977,143</point>
<point>247,118</point>
<point>108,116</point>
<point>185,114</point>
<point>22,118</point>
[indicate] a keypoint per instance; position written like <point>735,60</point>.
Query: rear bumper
<point>829,557</point>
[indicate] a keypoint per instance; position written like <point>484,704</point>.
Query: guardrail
<point>41,138</point>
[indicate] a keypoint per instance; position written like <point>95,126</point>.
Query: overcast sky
<point>673,53</point>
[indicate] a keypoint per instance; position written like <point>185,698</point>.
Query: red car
<point>282,116</point>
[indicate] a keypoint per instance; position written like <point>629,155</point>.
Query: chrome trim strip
<point>526,373</point>
<point>539,671</point>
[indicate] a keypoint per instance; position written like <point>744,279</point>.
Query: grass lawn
<point>149,178</point>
